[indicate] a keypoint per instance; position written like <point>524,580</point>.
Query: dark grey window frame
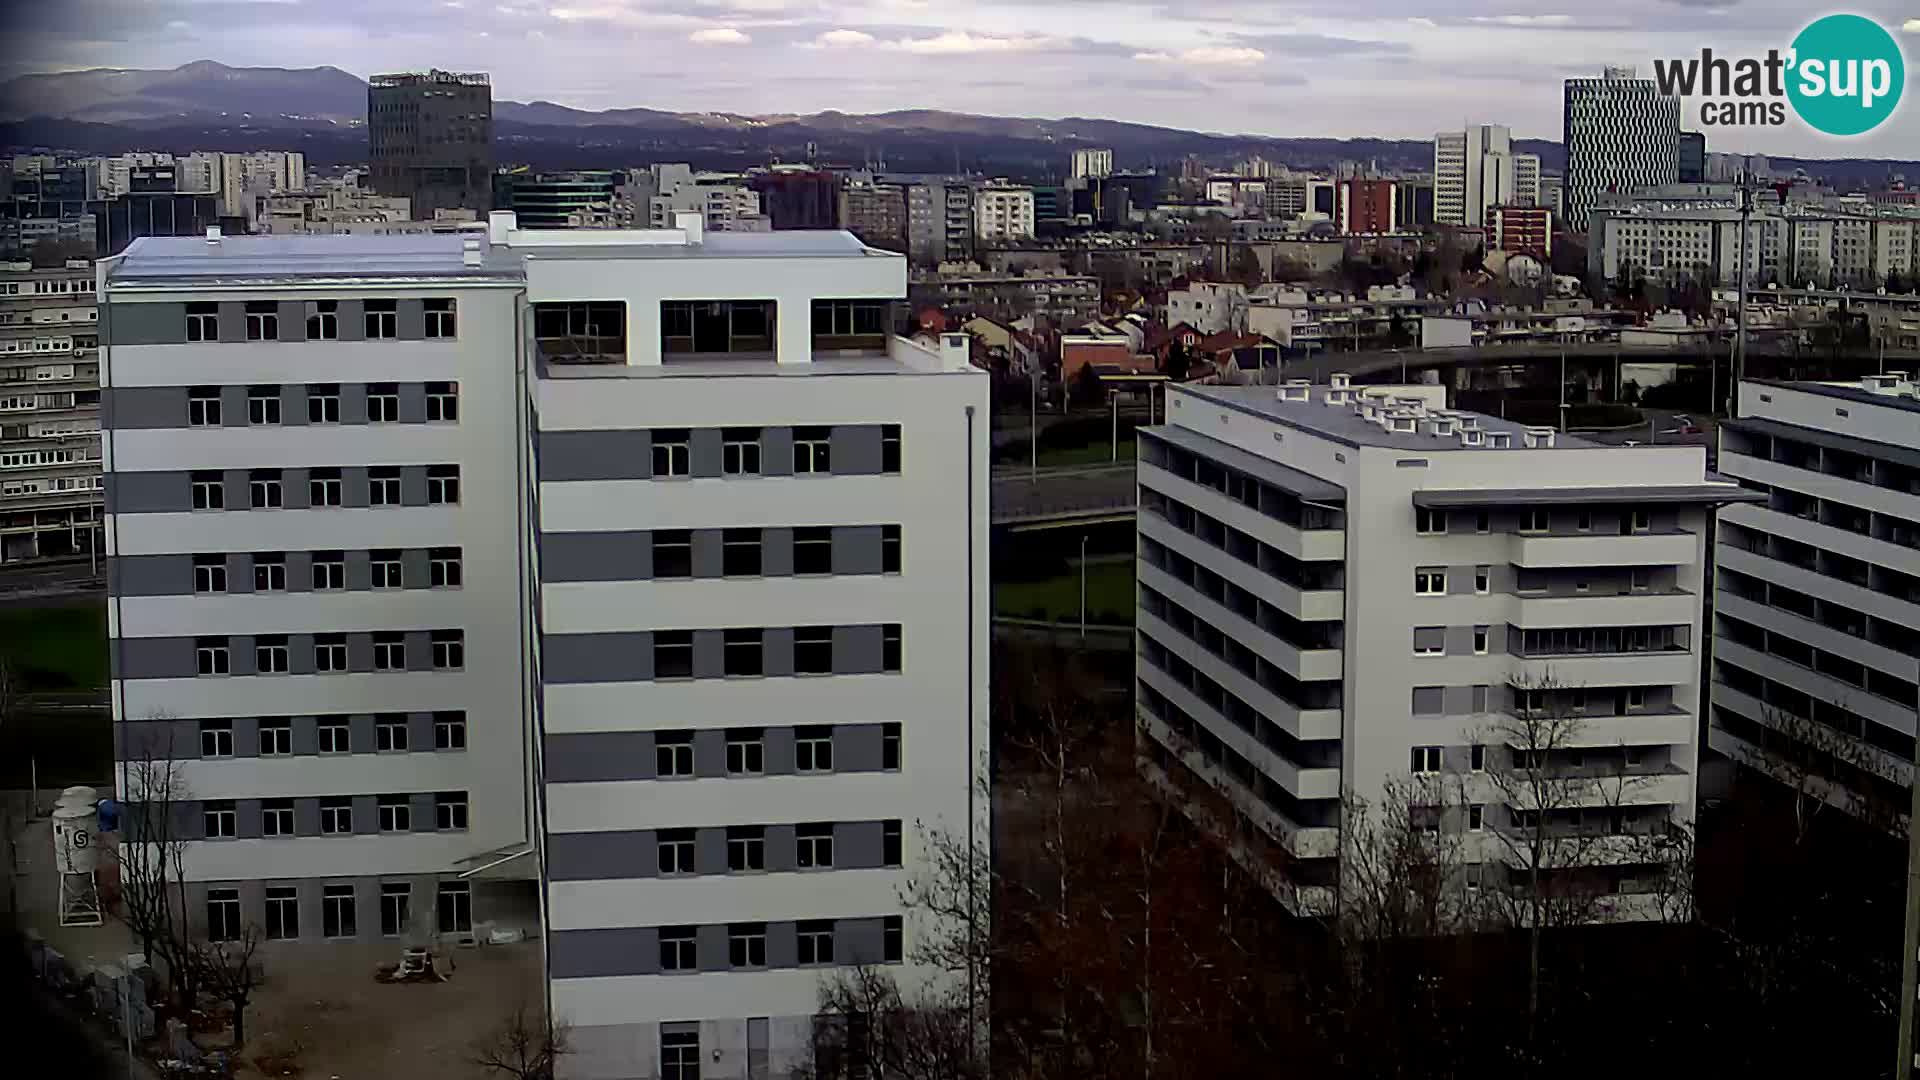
<point>444,570</point>
<point>276,736</point>
<point>443,402</point>
<point>336,816</point>
<point>333,735</point>
<point>443,485</point>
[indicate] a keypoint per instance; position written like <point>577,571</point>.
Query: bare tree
<point>1404,862</point>
<point>1824,767</point>
<point>524,1045</point>
<point>150,856</point>
<point>227,970</point>
<point>10,693</point>
<point>867,1030</point>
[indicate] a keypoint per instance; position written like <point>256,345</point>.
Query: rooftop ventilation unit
<point>1472,437</point>
<point>1340,380</point>
<point>1440,426</point>
<point>1469,423</point>
<point>1538,438</point>
<point>1296,390</point>
<point>1499,440</point>
<point>1337,397</point>
<point>470,252</point>
<point>1403,423</point>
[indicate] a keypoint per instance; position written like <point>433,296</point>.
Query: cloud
<point>1422,21</point>
<point>719,35</point>
<point>1209,55</point>
<point>959,42</point>
<point>1525,20</point>
<point>1911,26</point>
<point>844,39</point>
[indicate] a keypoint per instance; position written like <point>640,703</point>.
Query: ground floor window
<point>456,908</point>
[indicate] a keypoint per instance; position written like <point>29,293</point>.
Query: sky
<point>1386,68</point>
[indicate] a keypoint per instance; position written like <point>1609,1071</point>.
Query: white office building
<point>1621,135</point>
<point>1817,587</point>
<point>1342,587</point>
<point>1002,213</point>
<point>49,413</point>
<point>592,585</point>
<point>1478,168</point>
<point>1092,163</point>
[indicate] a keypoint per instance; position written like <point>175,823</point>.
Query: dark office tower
<point>430,138</point>
<point>799,200</point>
<point>1693,157</point>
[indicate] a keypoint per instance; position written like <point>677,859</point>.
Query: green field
<point>1110,596</point>
<point>1097,454</point>
<point>56,648</point>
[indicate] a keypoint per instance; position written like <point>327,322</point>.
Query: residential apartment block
<point>49,412</point>
<point>1477,168</point>
<point>1342,587</point>
<point>1002,213</point>
<point>652,635</point>
<point>1817,586</point>
<point>1800,246</point>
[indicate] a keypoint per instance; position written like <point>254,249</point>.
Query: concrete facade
<point>49,412</point>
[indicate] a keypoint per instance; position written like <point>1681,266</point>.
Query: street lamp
<point>1083,586</point>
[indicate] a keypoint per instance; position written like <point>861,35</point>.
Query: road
<point>1076,492</point>
<point>22,583</point>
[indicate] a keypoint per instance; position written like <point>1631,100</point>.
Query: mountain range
<point>322,111</point>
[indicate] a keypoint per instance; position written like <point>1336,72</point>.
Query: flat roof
<point>1714,490</point>
<point>1903,455</point>
<point>1850,393</point>
<point>1342,425</point>
<point>793,244</point>
<point>191,260</point>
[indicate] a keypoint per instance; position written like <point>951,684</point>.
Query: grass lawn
<point>1097,454</point>
<point>1110,595</point>
<point>56,648</point>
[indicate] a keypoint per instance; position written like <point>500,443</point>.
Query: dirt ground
<point>320,1001</point>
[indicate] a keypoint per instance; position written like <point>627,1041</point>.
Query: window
<point>746,752</point>
<point>1636,697</point>
<point>1429,640</point>
<point>382,318</point>
<point>893,939</point>
<point>336,911</point>
<point>203,406</point>
<point>440,318</point>
<point>813,650</point>
<point>449,731</point>
<point>1429,522</point>
<point>323,403</point>
<point>889,549</point>
<point>740,452</point>
<point>223,914</point>
<point>1482,522</point>
<point>396,907</point>
<point>813,550</point>
<point>740,552</point>
<point>263,405</point>
<point>676,851</point>
<point>383,403</point>
<point>324,487</point>
<point>890,843</point>
<point>390,732</point>
<point>812,449</point>
<point>222,822</point>
<point>746,848</point>
<point>329,570</point>
<point>813,847</point>
<point>209,573</point>
<point>1639,580</point>
<point>1480,640</point>
<point>449,650</point>
<point>443,485</point>
<point>216,738</point>
<point>815,942</point>
<point>323,320</point>
<point>890,747</point>
<point>670,454</point>
<point>890,448</point>
<point>1482,579</point>
<point>450,810</point>
<point>276,817</point>
<point>335,735</point>
<point>679,1055</point>
<point>1480,698</point>
<point>443,402</point>
<point>1429,581</point>
<point>263,489</point>
<point>203,322</point>
<point>1426,759</point>
<point>1476,817</point>
<point>210,656</point>
<point>813,749</point>
<point>385,569</point>
<point>383,485</point>
<point>1640,521</point>
<point>673,754</point>
<point>443,568</point>
<point>396,813</point>
<point>336,816</point>
<point>747,945</point>
<point>455,907</point>
<point>672,553</point>
<point>389,651</point>
<point>673,654</point>
<point>263,321</point>
<point>276,736</point>
<point>1479,757</point>
<point>208,491</point>
<point>1535,521</point>
<point>1583,522</point>
<point>269,571</point>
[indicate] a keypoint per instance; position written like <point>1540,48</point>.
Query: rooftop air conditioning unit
<point>1499,440</point>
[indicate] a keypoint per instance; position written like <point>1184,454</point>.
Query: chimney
<point>213,234</point>
<point>693,223</point>
<point>499,224</point>
<point>470,252</point>
<point>956,352</point>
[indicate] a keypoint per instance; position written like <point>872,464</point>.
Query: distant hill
<point>322,111</point>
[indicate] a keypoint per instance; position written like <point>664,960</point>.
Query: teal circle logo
<point>1846,76</point>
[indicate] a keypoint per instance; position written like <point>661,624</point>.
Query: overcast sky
<point>1393,68</point>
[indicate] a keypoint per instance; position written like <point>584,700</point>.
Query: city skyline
<point>1391,71</point>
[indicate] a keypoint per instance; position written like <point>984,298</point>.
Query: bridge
<point>1022,501</point>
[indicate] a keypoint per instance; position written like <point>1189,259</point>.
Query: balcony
<point>1671,667</point>
<point>1647,785</point>
<point>1302,841</point>
<point>1539,611</point>
<point>1604,725</point>
<point>1593,550</point>
<point>1305,544</point>
<point>1305,664</point>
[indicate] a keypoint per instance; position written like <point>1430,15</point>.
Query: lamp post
<point>1083,586</point>
<point>1033,425</point>
<point>1115,396</point>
